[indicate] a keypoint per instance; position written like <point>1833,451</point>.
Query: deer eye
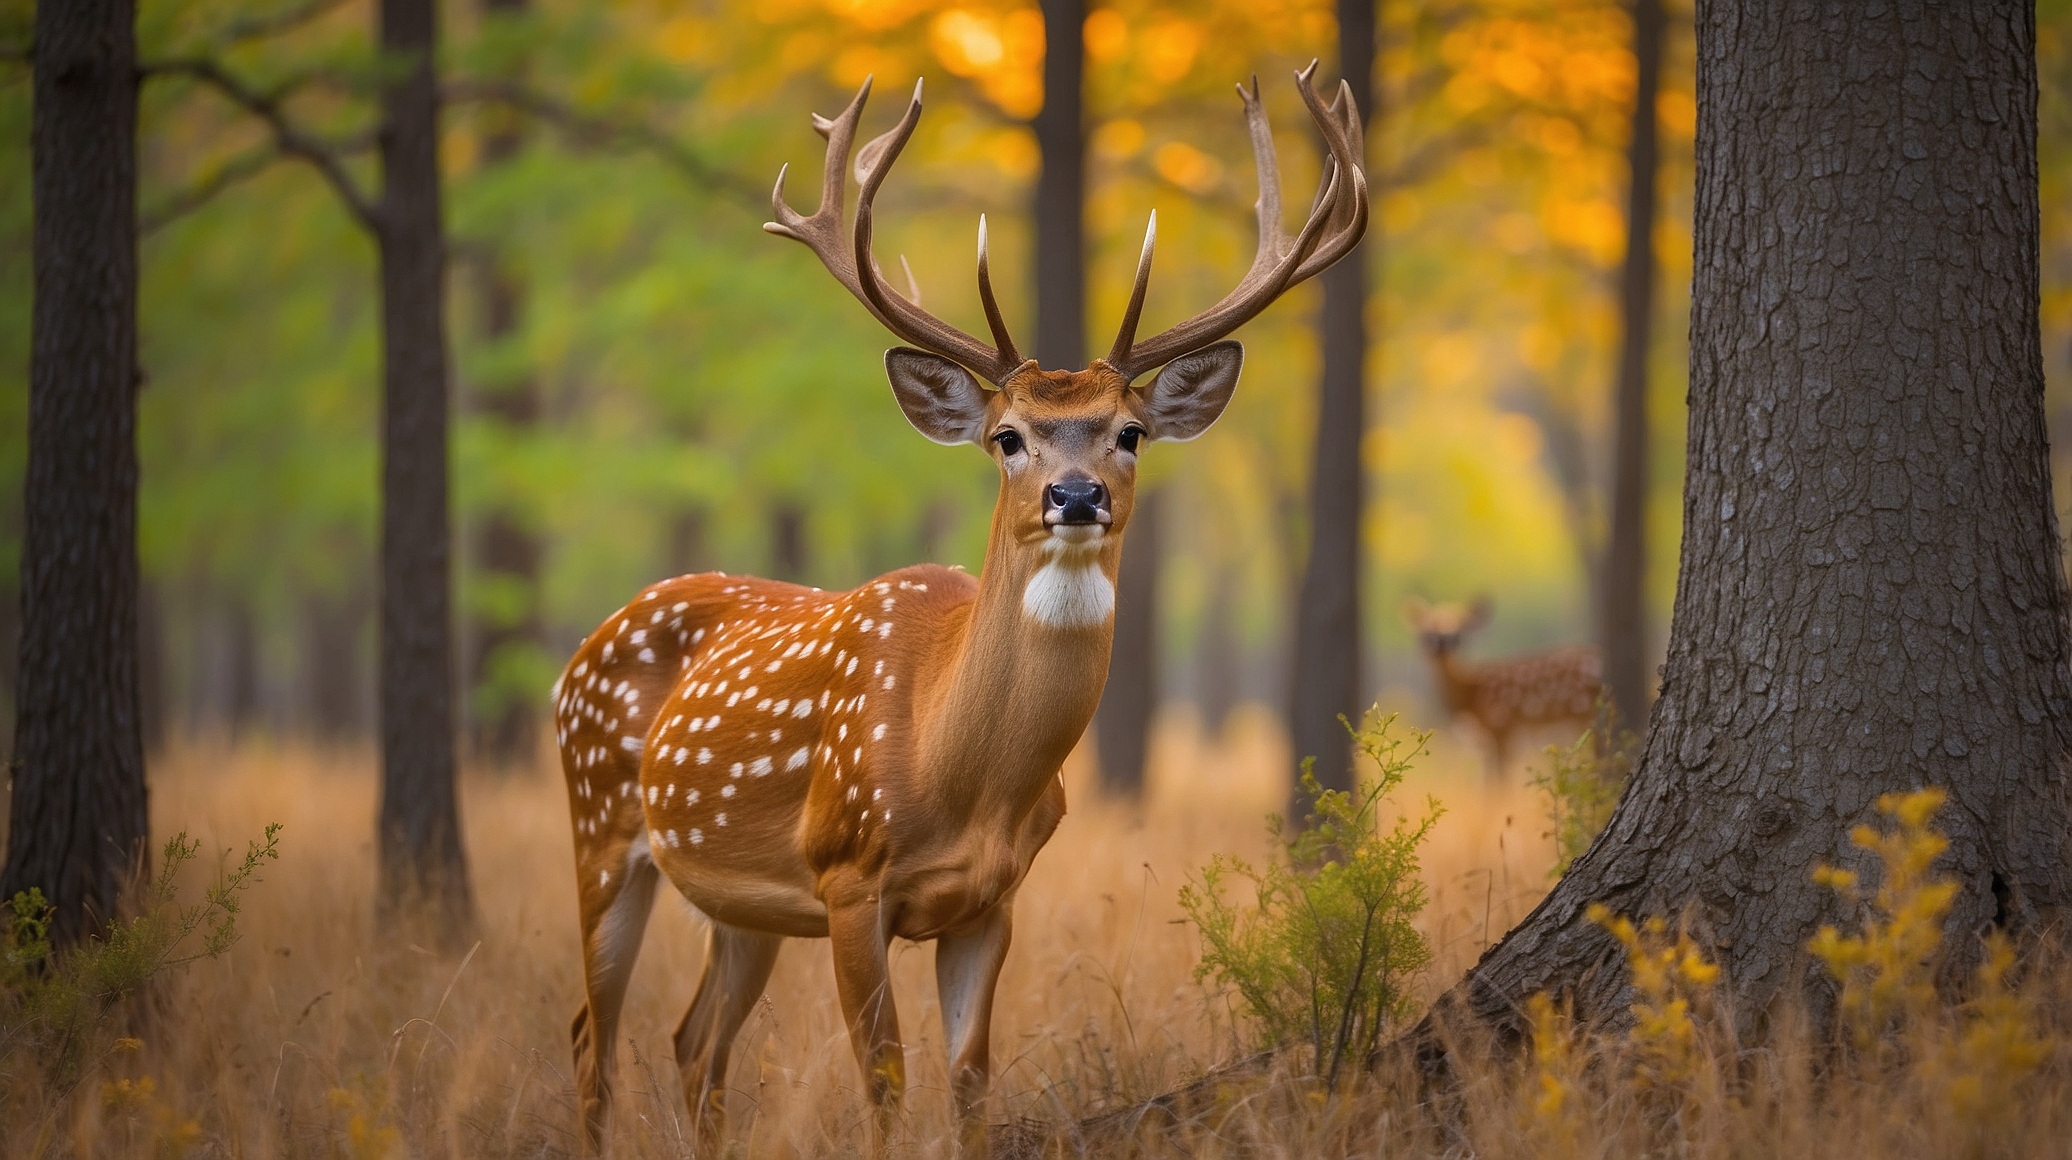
<point>1129,437</point>
<point>1010,442</point>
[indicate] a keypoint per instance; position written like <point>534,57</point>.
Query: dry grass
<point>321,1034</point>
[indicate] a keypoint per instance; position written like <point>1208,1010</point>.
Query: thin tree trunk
<point>1061,192</point>
<point>508,552</point>
<point>788,541</point>
<point>420,845</point>
<point>331,634</point>
<point>1622,619</point>
<point>241,708</point>
<point>77,824</point>
<point>1870,598</point>
<point>1122,724</point>
<point>687,550</point>
<point>1326,676</point>
<point>1220,654</point>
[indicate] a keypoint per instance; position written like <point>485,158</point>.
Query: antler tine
<point>1337,219</point>
<point>850,260</point>
<point>1003,343</point>
<point>1127,335</point>
<point>822,232</point>
<point>1343,137</point>
<point>902,317</point>
<point>1273,242</point>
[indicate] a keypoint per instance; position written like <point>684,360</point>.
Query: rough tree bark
<point>77,824</point>
<point>1325,683</point>
<point>1622,615</point>
<point>508,552</point>
<point>1869,598</point>
<point>420,852</point>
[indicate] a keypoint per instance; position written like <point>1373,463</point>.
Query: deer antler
<point>1337,219</point>
<point>851,262</point>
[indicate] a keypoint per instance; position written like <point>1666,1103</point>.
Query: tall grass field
<point>322,1031</point>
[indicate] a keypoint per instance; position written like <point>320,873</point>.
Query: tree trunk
<point>332,673</point>
<point>788,541</point>
<point>1122,724</point>
<point>687,550</point>
<point>77,825</point>
<point>1061,192</point>
<point>1622,618</point>
<point>1869,598</point>
<point>421,859</point>
<point>1326,676</point>
<point>508,553</point>
<point>241,707</point>
<point>1219,653</point>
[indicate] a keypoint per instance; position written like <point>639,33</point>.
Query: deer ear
<point>1479,613</point>
<point>939,398</point>
<point>1192,391</point>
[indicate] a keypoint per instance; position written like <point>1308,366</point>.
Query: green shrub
<point>1583,782</point>
<point>55,1006</point>
<point>1323,952</point>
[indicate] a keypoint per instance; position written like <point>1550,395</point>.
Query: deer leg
<point>737,967</point>
<point>614,916</point>
<point>967,969</point>
<point>864,980</point>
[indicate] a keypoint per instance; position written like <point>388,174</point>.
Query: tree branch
<point>592,126</point>
<point>239,169</point>
<point>277,23</point>
<point>186,201</point>
<point>289,139</point>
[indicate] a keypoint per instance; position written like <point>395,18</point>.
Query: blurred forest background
<point>647,384</point>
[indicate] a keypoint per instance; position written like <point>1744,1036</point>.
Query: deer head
<point>1067,440</point>
<point>1441,628</point>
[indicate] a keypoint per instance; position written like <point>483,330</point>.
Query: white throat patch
<point>1069,590</point>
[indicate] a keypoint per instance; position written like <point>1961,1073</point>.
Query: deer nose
<point>1075,501</point>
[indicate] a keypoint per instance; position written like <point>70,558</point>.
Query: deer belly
<point>944,898</point>
<point>740,867</point>
<point>750,900</point>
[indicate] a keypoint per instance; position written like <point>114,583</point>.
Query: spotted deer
<point>1560,687</point>
<point>885,762</point>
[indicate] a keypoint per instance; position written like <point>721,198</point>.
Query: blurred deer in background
<point>884,762</point>
<point>1560,687</point>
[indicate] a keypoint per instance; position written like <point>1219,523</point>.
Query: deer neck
<point>1456,680</point>
<point>1020,682</point>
